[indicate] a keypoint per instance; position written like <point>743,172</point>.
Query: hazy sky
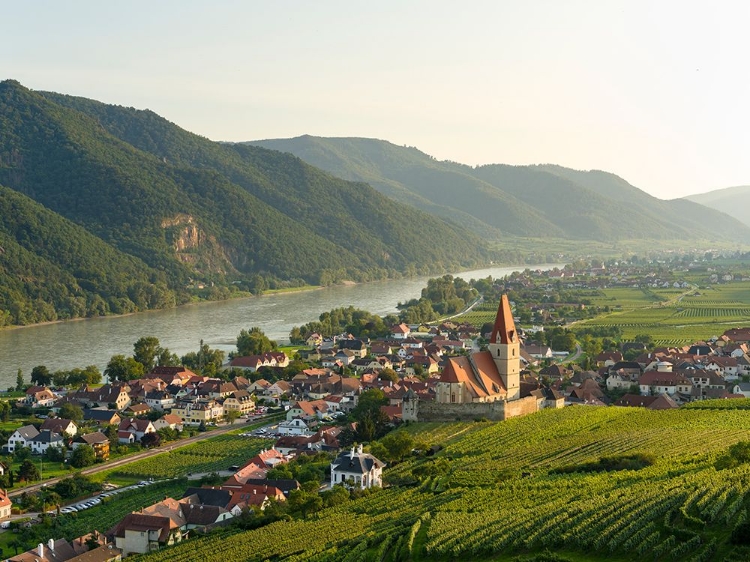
<point>657,92</point>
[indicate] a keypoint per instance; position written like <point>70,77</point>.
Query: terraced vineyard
<point>492,494</point>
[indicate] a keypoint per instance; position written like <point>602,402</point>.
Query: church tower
<point>505,349</point>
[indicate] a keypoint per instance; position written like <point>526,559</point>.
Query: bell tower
<point>505,349</point>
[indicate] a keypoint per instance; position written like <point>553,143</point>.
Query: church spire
<point>504,330</point>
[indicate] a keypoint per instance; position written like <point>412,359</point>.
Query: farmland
<point>696,315</point>
<point>494,492</point>
<point>211,455</point>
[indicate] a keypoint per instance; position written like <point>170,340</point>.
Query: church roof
<point>487,373</point>
<point>504,330</point>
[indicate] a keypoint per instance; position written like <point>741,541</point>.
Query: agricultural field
<point>524,486</point>
<point>211,455</point>
<point>696,315</point>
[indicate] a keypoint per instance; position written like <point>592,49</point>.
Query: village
<point>323,413</point>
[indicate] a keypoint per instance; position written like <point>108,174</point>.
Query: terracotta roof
<point>504,329</point>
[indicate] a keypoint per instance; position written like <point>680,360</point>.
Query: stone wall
<point>493,411</point>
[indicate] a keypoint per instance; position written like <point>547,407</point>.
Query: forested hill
<point>729,200</point>
<point>542,201</point>
<point>150,203</point>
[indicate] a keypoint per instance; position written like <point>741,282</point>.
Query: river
<point>78,343</point>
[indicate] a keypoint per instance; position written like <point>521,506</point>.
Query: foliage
<point>120,368</point>
<point>41,376</point>
<point>70,411</point>
<point>28,471</point>
<point>82,456</point>
<point>254,342</point>
<point>359,323</point>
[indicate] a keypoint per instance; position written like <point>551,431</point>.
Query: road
<point>138,456</point>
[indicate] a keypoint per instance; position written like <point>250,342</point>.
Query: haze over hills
<point>541,201</point>
<point>132,188</point>
<point>730,200</point>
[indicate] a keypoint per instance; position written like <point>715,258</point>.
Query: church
<point>484,384</point>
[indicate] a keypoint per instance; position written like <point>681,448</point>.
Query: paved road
<point>138,456</point>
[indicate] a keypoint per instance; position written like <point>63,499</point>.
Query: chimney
<point>359,449</point>
<point>40,550</point>
<point>51,544</point>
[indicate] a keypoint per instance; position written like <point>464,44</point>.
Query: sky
<point>657,92</point>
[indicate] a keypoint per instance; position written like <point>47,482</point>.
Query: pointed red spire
<point>504,330</point>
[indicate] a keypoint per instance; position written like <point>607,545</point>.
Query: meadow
<point>494,493</point>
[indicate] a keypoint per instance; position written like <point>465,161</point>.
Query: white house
<point>44,440</point>
<point>21,437</point>
<point>357,469</point>
<point>293,427</point>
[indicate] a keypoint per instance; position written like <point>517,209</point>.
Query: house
<point>102,417</point>
<point>657,382</point>
<point>77,550</point>
<point>293,427</point>
<point>400,332</point>
<point>21,437</point>
<point>39,397</point>
<point>138,533</point>
<point>253,495</point>
<point>97,441</point>
<point>538,351</point>
<point>357,469</point>
<point>197,411</point>
<point>44,440</point>
<point>239,401</point>
<point>61,426</point>
<point>607,358</point>
<point>169,420</point>
<point>357,347</point>
<point>159,400</point>
<point>137,427</point>
<point>742,388</point>
<point>308,411</point>
<point>5,505</point>
<point>661,402</point>
<point>138,409</point>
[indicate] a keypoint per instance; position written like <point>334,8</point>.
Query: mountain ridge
<point>548,200</point>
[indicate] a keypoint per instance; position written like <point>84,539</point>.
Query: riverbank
<point>72,344</point>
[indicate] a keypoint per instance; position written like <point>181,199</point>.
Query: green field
<point>211,455</point>
<point>490,494</point>
<point>698,315</point>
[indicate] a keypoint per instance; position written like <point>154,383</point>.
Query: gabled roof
<point>92,438</point>
<point>138,522</point>
<point>208,496</point>
<point>28,432</point>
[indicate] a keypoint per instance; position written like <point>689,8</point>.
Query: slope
<point>728,200</point>
<point>52,269</point>
<point>406,174</point>
<point>384,235</point>
<point>549,201</point>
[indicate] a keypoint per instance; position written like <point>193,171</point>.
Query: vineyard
<point>491,493</point>
<point>211,455</point>
<point>694,316</point>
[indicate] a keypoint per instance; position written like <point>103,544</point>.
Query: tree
<point>121,368</point>
<point>41,376</point>
<point>70,411</point>
<point>304,502</point>
<point>231,416</point>
<point>55,454</point>
<point>145,351</point>
<point>21,454</point>
<point>397,445</point>
<point>254,342</point>
<point>28,471</point>
<point>5,410</point>
<point>19,381</point>
<point>388,375</point>
<point>83,455</point>
<point>150,440</point>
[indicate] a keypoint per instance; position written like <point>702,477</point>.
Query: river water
<point>78,343</point>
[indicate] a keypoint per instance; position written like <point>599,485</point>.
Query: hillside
<point>728,200</point>
<point>539,201</point>
<point>532,484</point>
<point>192,210</point>
<point>51,269</point>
